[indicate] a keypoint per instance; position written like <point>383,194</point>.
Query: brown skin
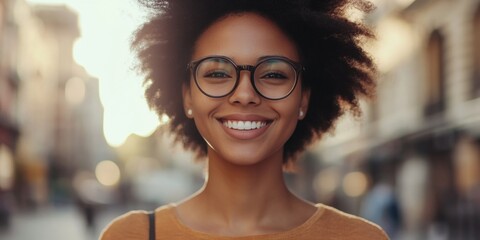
<point>245,193</point>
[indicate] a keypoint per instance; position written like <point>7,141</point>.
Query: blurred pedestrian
<point>5,209</point>
<point>248,84</point>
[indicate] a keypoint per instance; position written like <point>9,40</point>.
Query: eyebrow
<point>270,56</point>
<point>258,59</point>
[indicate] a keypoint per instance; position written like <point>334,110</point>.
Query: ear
<point>187,100</point>
<point>304,103</point>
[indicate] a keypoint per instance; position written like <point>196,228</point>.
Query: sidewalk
<point>55,224</point>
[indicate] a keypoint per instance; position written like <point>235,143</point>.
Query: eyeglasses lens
<point>216,76</point>
<point>274,78</point>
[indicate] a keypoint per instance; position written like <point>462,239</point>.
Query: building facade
<point>50,111</point>
<point>420,137</point>
<point>9,129</point>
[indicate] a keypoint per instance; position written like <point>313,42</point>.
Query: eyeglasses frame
<point>297,67</point>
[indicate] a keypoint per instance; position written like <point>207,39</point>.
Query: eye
<point>274,75</point>
<point>216,74</point>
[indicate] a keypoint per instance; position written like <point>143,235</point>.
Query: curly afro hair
<point>337,68</point>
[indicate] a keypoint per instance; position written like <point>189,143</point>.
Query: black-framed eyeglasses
<point>273,77</point>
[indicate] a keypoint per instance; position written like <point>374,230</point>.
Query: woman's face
<point>245,38</point>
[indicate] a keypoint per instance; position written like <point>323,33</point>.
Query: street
<point>58,223</point>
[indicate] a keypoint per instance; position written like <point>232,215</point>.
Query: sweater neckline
<point>288,233</point>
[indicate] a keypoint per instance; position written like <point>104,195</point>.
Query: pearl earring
<point>189,112</point>
<point>301,113</point>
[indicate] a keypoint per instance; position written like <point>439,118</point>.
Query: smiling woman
<point>248,85</point>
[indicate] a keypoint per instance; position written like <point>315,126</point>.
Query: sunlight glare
<point>395,43</point>
<point>104,50</point>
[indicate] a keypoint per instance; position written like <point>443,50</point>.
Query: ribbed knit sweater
<point>326,223</point>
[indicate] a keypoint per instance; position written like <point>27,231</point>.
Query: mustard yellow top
<point>326,223</point>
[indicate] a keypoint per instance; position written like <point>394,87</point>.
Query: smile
<point>244,125</point>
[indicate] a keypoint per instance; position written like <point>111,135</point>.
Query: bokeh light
<point>6,168</point>
<point>355,184</point>
<point>326,182</point>
<point>107,173</point>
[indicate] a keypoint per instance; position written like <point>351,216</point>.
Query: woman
<point>248,84</point>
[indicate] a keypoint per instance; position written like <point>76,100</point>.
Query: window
<point>476,55</point>
<point>435,75</point>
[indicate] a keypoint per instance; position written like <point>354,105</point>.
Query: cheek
<point>202,104</point>
<point>290,107</point>
<point>288,115</point>
<point>203,109</point>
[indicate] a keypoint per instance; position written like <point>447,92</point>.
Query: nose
<point>244,93</point>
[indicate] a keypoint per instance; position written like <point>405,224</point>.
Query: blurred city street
<point>55,223</point>
<point>79,146</point>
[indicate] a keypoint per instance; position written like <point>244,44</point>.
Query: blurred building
<point>50,113</point>
<point>8,109</point>
<point>419,141</point>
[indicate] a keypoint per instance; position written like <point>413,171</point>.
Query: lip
<point>244,117</point>
<point>245,134</point>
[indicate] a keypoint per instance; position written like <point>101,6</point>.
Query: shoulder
<point>131,225</point>
<point>348,226</point>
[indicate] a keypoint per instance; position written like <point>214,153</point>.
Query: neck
<point>245,192</point>
<point>244,200</point>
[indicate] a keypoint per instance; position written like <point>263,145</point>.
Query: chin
<point>245,157</point>
<point>244,161</point>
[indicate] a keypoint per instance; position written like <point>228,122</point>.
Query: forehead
<point>244,37</point>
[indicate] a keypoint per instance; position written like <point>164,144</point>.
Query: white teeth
<point>244,125</point>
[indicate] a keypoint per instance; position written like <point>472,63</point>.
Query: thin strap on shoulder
<point>151,225</point>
